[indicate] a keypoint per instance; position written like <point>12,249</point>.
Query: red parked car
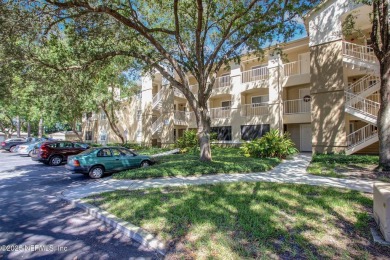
<point>57,152</point>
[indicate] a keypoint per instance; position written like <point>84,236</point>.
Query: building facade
<point>322,89</point>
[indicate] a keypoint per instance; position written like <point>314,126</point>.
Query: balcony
<point>296,73</point>
<point>220,112</point>
<point>222,85</point>
<point>296,111</point>
<point>180,117</point>
<point>254,75</point>
<point>255,109</point>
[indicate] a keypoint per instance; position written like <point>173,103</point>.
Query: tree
<point>380,38</point>
<point>177,38</point>
<point>380,42</point>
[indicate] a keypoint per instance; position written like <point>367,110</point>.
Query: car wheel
<point>55,160</point>
<point>12,149</point>
<point>96,172</point>
<point>145,164</point>
<point>30,153</point>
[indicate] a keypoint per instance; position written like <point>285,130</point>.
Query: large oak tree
<point>177,38</point>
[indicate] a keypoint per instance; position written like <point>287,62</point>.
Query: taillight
<point>3,144</point>
<point>76,163</point>
<point>43,148</point>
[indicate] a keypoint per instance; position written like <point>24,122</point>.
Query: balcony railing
<point>255,109</point>
<point>254,74</point>
<point>361,135</point>
<point>180,117</point>
<point>365,106</point>
<point>223,81</point>
<point>297,106</point>
<point>361,52</point>
<point>220,112</point>
<point>291,68</point>
<point>363,84</point>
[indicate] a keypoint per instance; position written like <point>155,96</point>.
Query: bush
<point>272,144</point>
<point>189,140</point>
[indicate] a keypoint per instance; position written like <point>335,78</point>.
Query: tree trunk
<point>40,128</point>
<point>74,129</point>
<point>111,121</point>
<point>204,128</point>
<point>28,129</point>
<point>384,116</point>
<point>18,126</point>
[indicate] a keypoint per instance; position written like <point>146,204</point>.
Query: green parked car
<point>97,161</point>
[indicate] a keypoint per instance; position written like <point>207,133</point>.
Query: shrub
<point>189,140</point>
<point>272,144</point>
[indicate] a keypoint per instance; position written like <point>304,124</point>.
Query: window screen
<point>224,133</point>
<point>250,132</point>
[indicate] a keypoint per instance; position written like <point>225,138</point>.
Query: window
<point>224,133</point>
<point>88,136</point>
<point>224,80</point>
<point>103,137</point>
<point>116,152</point>
<point>126,152</point>
<point>80,145</point>
<point>259,101</point>
<point>89,115</point>
<point>105,152</point>
<point>250,132</point>
<point>226,105</point>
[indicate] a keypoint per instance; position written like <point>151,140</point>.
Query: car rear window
<point>86,152</point>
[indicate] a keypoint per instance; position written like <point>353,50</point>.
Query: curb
<point>136,233</point>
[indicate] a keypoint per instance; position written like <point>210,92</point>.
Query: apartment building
<point>322,89</point>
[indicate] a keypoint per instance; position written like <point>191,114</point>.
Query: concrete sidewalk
<point>289,171</point>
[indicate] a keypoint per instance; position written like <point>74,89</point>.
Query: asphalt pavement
<point>35,223</point>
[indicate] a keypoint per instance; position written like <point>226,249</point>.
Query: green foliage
<point>345,159</point>
<point>225,160</point>
<point>133,146</point>
<point>272,144</point>
<point>189,140</point>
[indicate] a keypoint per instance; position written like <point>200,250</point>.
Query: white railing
<point>291,68</point>
<point>220,112</point>
<point>365,106</point>
<point>180,117</point>
<point>296,106</point>
<point>254,74</point>
<point>255,109</point>
<point>223,81</point>
<point>363,84</point>
<point>156,125</point>
<point>362,135</point>
<point>361,52</point>
<point>157,98</point>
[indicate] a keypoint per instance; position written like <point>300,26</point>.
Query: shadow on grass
<point>224,161</point>
<point>250,220</point>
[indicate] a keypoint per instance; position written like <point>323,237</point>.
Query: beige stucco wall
<point>327,91</point>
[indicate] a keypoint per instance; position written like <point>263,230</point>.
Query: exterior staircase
<point>157,100</point>
<point>362,57</point>
<point>157,125</point>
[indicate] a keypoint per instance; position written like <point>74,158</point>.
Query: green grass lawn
<point>226,160</point>
<point>342,166</point>
<point>251,220</point>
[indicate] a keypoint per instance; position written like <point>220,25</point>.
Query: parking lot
<point>35,223</point>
